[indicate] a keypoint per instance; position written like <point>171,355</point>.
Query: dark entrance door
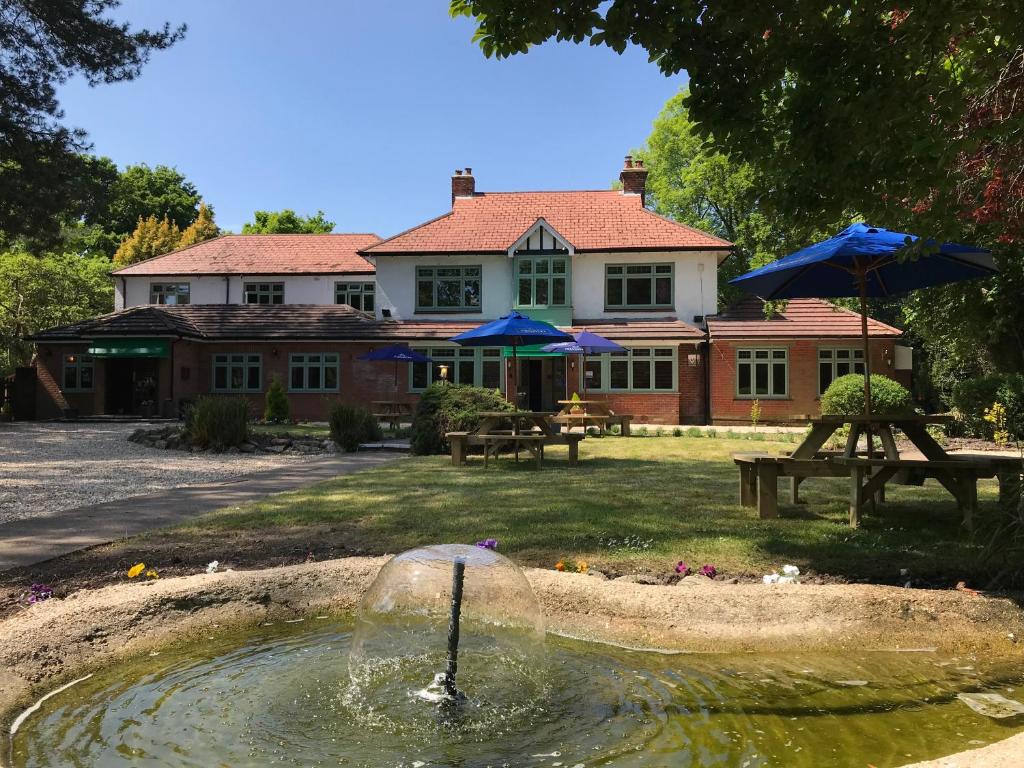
<point>541,383</point>
<point>535,384</point>
<point>131,386</point>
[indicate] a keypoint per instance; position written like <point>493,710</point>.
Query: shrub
<point>845,396</point>
<point>278,408</point>
<point>351,426</point>
<point>694,432</point>
<point>677,432</point>
<point>218,422</point>
<point>973,397</point>
<point>447,408</point>
<point>755,413</point>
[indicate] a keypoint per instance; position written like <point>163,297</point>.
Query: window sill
<point>449,311</point>
<point>314,391</point>
<point>762,397</point>
<point>666,308</point>
<point>632,391</point>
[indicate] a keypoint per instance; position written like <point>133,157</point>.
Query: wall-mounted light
<point>443,371</point>
<point>693,360</point>
<point>274,351</point>
<point>71,358</point>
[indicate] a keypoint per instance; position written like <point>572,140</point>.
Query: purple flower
<point>37,593</point>
<point>709,571</point>
<point>682,568</point>
<point>488,544</point>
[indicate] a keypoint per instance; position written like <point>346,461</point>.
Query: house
<point>229,315</point>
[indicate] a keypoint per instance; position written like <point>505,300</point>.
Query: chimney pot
<point>458,172</point>
<point>469,171</point>
<point>634,179</point>
<point>629,161</point>
<point>463,184</point>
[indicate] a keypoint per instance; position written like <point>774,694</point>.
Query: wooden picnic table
<point>391,411</point>
<point>595,413</point>
<point>530,429</point>
<point>530,419</point>
<point>913,426</point>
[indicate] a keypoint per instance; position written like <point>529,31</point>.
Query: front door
<point>541,383</point>
<point>131,386</point>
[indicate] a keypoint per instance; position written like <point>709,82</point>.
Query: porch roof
<point>801,318</point>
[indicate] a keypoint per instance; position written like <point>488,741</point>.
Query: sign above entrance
<point>529,350</point>
<point>130,348</point>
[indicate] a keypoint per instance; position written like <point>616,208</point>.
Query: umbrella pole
<point>862,279</point>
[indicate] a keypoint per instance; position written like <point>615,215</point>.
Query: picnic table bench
<point>534,439</point>
<point>593,413</point>
<point>760,473</point>
<point>391,411</point>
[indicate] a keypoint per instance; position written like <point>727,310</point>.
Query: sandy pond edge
<point>51,641</point>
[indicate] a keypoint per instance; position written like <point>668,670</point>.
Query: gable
<point>541,239</point>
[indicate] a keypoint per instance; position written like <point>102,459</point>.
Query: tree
<point>203,228</point>
<point>139,192</point>
<point>150,238</point>
<point>287,222</point>
<point>38,293</point>
<point>44,177</point>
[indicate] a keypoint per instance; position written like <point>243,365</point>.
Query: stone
<point>597,574</point>
<point>137,436</point>
<point>276,448</point>
<point>282,441</point>
<point>160,444</point>
<point>992,704</point>
<point>639,578</point>
<point>233,449</point>
<point>247,448</point>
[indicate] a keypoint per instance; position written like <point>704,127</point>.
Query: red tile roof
<point>591,221</point>
<point>802,318</point>
<point>263,255</point>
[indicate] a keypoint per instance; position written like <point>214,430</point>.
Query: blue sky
<point>364,109</point>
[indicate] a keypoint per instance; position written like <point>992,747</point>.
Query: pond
<point>281,695</point>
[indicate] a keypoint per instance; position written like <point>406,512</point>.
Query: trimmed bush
<point>218,423</point>
<point>352,426</point>
<point>845,396</point>
<point>447,408</point>
<point>278,408</point>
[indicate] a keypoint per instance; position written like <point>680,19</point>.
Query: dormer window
<point>542,281</point>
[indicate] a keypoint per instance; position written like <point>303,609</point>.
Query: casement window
<point>762,372</point>
<point>448,289</point>
<point>357,295</point>
<point>237,373</point>
<point>834,362</point>
<point>313,372</point>
<point>640,369</point>
<point>264,293</point>
<point>78,373</point>
<point>542,281</point>
<point>638,286</point>
<point>473,366</point>
<point>169,293</point>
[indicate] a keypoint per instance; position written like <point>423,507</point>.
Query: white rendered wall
<point>396,285</point>
<point>212,289</point>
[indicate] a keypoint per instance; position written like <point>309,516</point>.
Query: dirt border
<point>52,641</point>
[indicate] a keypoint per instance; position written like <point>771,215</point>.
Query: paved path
<point>33,540</point>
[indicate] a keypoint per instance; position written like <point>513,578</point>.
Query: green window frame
<point>834,362</point>
<point>169,293</point>
<point>542,281</point>
<point>357,295</point>
<point>78,374</point>
<point>639,286</point>
<point>235,372</point>
<point>263,293</point>
<point>762,373</point>
<point>449,289</point>
<point>638,369</point>
<point>314,372</point>
<point>473,366</point>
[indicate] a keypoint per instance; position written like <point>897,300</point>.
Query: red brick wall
<point>802,402</point>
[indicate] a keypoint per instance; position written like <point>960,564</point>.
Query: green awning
<point>530,350</point>
<point>131,348</point>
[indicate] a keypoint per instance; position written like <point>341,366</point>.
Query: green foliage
<point>450,408</point>
<point>845,396</point>
<point>755,412</point>
<point>287,222</point>
<point>351,426</point>
<point>694,432</point>
<point>217,422</point>
<point>974,396</point>
<point>150,238</point>
<point>42,292</point>
<point>45,179</point>
<point>203,228</point>
<point>278,408</point>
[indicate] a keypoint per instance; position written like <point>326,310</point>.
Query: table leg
<point>574,453</point>
<point>817,437</point>
<point>856,494</point>
<point>748,485</point>
<point>969,503</point>
<point>794,490</point>
<point>924,442</point>
<point>851,442</point>
<point>767,490</point>
<point>888,442</point>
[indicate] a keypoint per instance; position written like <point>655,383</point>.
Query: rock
<point>992,704</point>
<point>160,444</point>
<point>597,574</point>
<point>329,446</point>
<point>173,442</point>
<point>247,448</point>
<point>282,441</point>
<point>233,449</point>
<point>639,578</point>
<point>275,448</point>
<point>137,436</point>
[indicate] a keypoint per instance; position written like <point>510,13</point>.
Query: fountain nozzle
<point>452,662</point>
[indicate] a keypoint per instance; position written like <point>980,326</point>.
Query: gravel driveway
<point>46,468</point>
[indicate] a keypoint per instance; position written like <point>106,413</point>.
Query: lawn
<point>633,504</point>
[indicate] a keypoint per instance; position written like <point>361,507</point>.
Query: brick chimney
<point>634,178</point>
<point>463,184</point>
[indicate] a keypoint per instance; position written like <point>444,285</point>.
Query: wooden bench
<point>760,473</point>
<point>461,441</point>
<point>584,420</point>
<point>534,442</point>
<point>622,420</point>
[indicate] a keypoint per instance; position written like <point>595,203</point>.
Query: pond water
<point>282,696</point>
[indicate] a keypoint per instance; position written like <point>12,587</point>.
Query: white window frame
<point>623,276</point>
<point>327,361</point>
<point>633,357</point>
<point>548,277</point>
<point>229,360</point>
<point>356,290</point>
<point>160,290</point>
<point>261,288</point>
<point>752,357</point>
<point>458,360</point>
<point>829,355</point>
<point>77,363</point>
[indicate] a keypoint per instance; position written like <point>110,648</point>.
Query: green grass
<point>679,494</point>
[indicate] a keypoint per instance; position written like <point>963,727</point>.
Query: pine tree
<point>203,228</point>
<point>278,408</point>
<point>151,237</point>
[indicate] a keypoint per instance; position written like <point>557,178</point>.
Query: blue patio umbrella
<point>585,343</point>
<point>513,330</point>
<point>397,353</point>
<point>863,261</point>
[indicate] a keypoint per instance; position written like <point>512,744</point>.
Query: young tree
<point>203,228</point>
<point>150,238</point>
<point>287,222</point>
<point>38,293</point>
<point>43,175</point>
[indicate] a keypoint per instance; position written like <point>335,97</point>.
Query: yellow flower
<point>581,566</point>
<point>136,569</point>
<point>152,574</point>
<point>559,566</point>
